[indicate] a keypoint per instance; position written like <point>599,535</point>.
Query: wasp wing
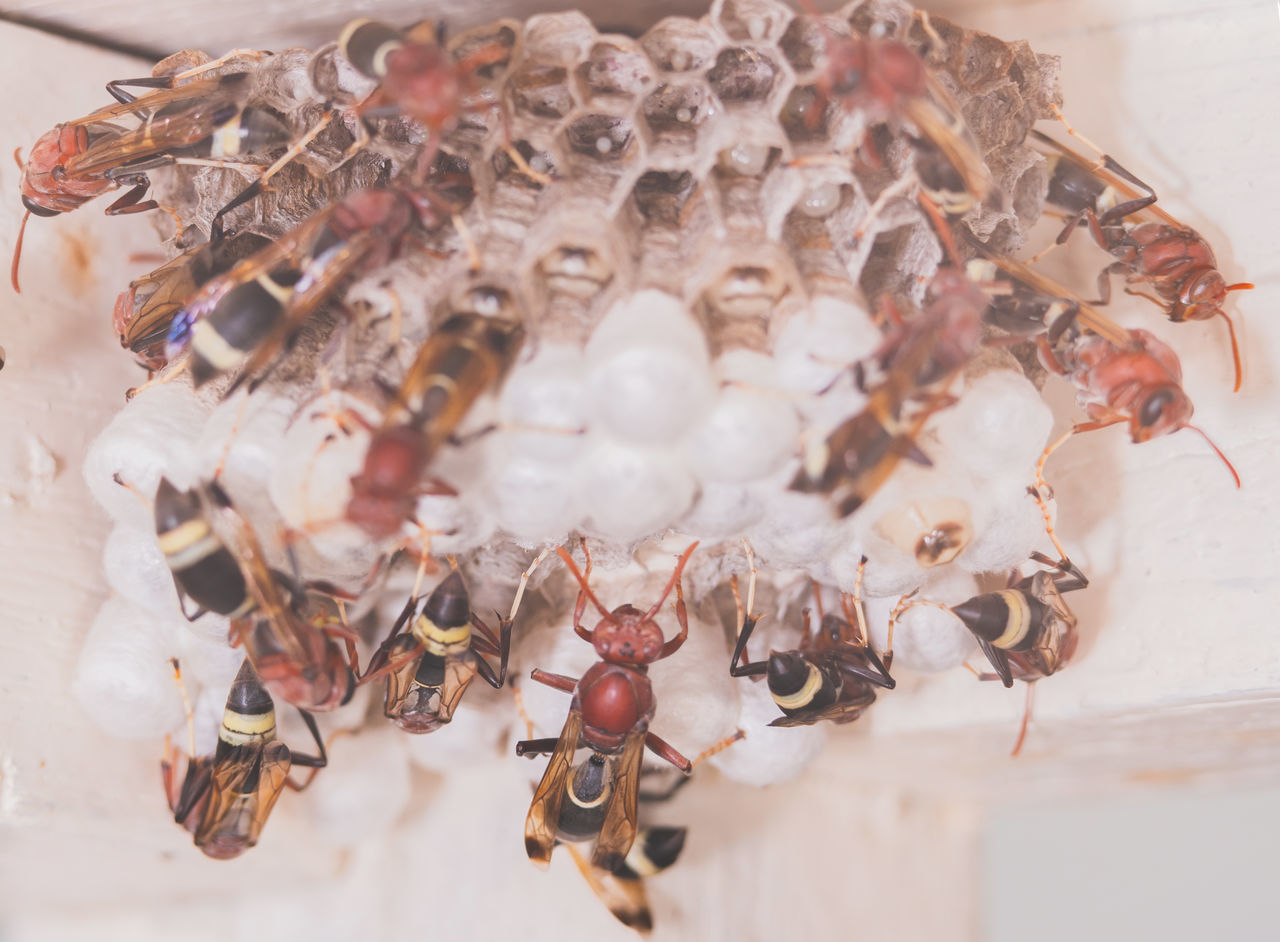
<point>543,820</point>
<point>319,281</point>
<point>1107,170</point>
<point>1057,638</point>
<point>458,674</point>
<point>999,660</point>
<point>187,801</point>
<point>1089,316</point>
<point>937,116</point>
<point>231,87</point>
<point>241,797</point>
<point>271,607</point>
<point>618,832</point>
<point>624,896</point>
<point>162,131</point>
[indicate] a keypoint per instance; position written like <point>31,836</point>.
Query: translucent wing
<point>1123,185</point>
<point>458,673</point>
<point>262,585</point>
<point>317,285</point>
<point>624,896</point>
<point>294,245</point>
<point>543,820</point>
<point>160,133</point>
<point>937,116</point>
<point>1089,315</point>
<point>618,832</point>
<point>242,795</point>
<point>226,88</point>
<point>1057,640</point>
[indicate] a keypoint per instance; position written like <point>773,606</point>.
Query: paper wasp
<point>145,310</point>
<point>202,121</point>
<point>1139,383</point>
<point>918,363</point>
<point>289,635</point>
<point>430,666</point>
<point>887,80</point>
<point>464,357</point>
<point>418,77</point>
<point>612,708</point>
<point>831,676</point>
<point>246,317</point>
<point>224,800</point>
<point>1172,258</point>
<point>286,631</point>
<point>1026,630</point>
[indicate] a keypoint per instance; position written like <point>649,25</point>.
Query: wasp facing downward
<point>833,675</point>
<point>430,666</point>
<point>224,800</point>
<point>612,708</point>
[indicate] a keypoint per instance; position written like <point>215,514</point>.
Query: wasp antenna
<point>17,253</point>
<point>1217,451</point>
<point>582,581</point>
<point>675,577</point>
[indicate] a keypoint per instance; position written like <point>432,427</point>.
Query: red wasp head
<point>1149,391</point>
<point>46,187</point>
<point>422,79</point>
<point>627,635</point>
<point>1202,295</point>
<point>872,72</point>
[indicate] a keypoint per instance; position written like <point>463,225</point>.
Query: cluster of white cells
<point>692,297</point>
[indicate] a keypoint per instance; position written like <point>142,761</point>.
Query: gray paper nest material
<point>640,137</point>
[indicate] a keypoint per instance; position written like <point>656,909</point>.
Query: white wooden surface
<point>1176,680</point>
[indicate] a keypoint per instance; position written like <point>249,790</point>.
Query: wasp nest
<point>686,225</point>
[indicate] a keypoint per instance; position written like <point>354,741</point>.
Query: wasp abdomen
<point>203,567</point>
<point>1007,619</point>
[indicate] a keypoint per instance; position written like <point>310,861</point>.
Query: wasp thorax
<point>393,463</point>
<point>609,702</point>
